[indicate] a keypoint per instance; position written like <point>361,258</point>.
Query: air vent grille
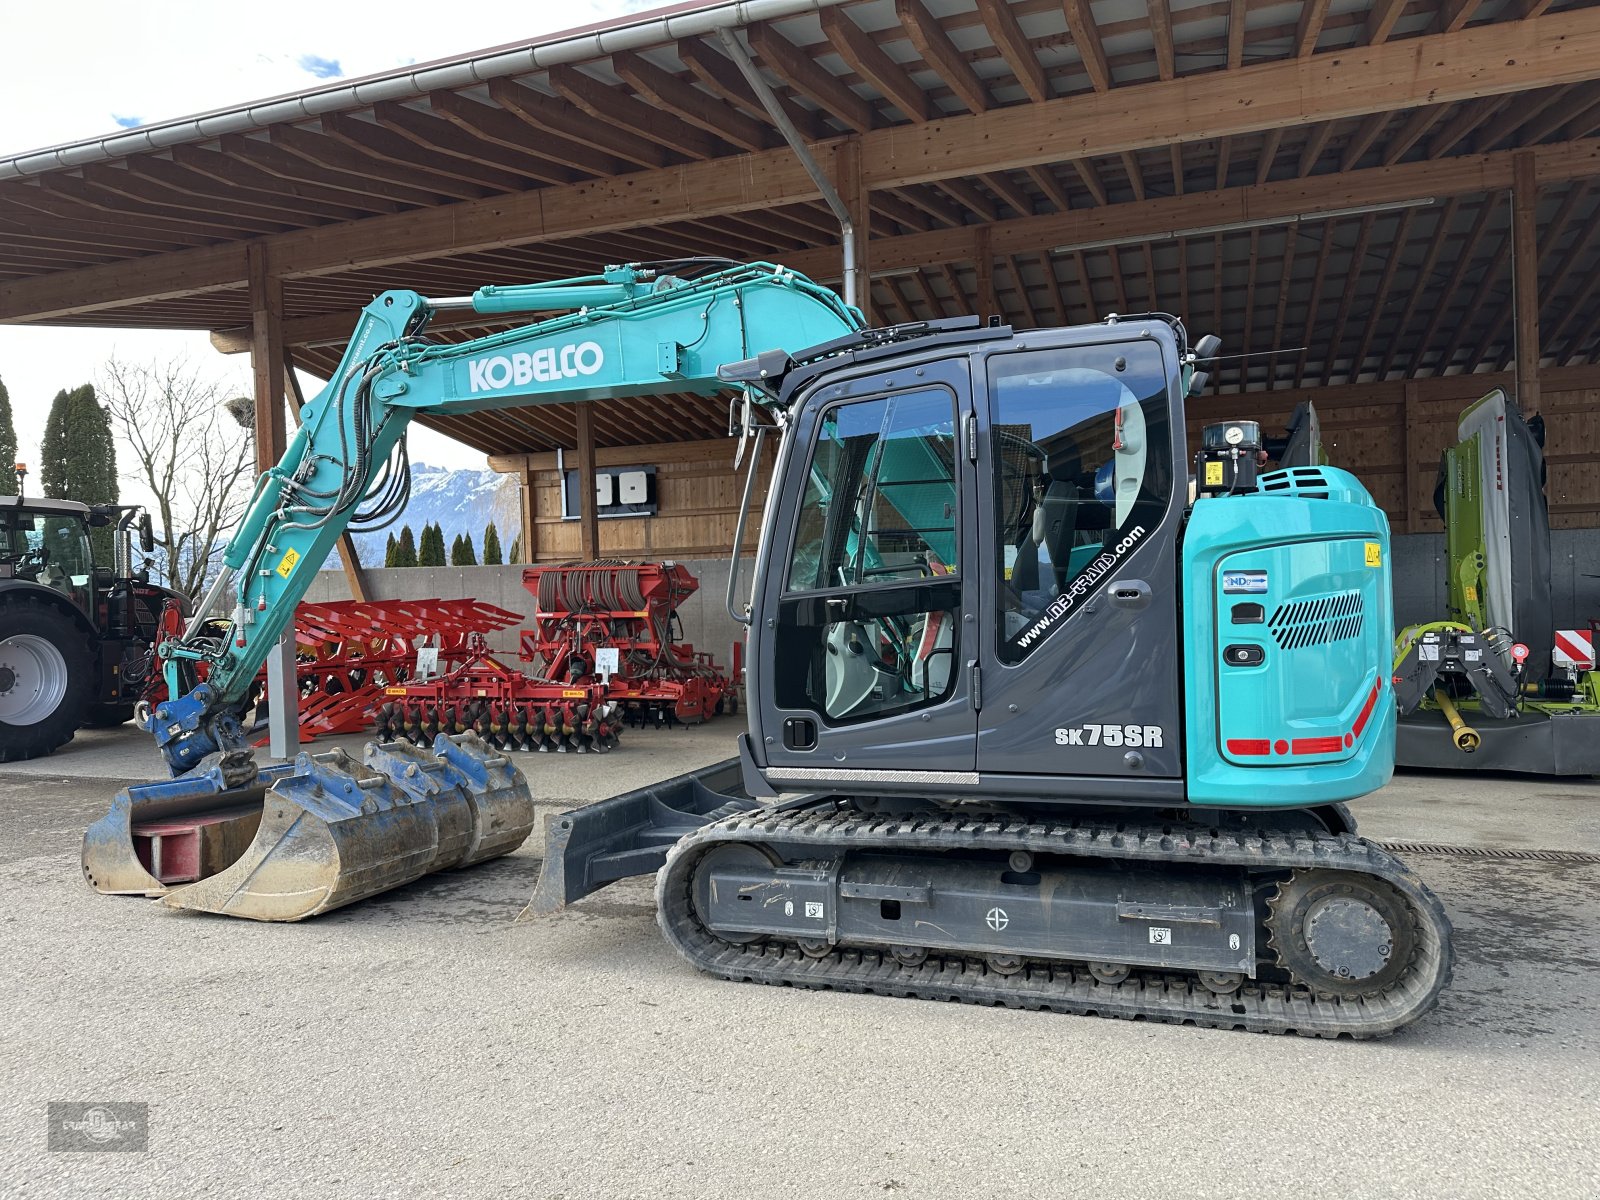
<point>1317,622</point>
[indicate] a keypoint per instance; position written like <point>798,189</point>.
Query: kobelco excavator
<point>1033,719</point>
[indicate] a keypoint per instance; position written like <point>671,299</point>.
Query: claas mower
<point>1031,720</point>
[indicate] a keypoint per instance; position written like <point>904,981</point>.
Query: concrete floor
<point>427,1041</point>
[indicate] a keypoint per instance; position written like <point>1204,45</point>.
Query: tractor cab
<point>47,542</point>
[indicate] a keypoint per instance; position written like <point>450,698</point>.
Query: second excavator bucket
<point>330,830</point>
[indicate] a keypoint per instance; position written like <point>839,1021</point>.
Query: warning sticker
<point>287,562</point>
<point>1160,935</point>
<point>1374,554</point>
<point>1214,474</point>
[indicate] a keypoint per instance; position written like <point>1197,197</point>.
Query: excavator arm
<point>627,333</point>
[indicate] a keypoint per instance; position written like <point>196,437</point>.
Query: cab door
<point>1081,658</point>
<point>867,644</point>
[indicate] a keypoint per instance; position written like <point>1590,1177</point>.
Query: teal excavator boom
<point>285,841</point>
<point>629,332</point>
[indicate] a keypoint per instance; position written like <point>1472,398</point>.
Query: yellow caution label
<point>286,564</point>
<point>1472,594</point>
<point>394,691</point>
<point>1374,554</point>
<point>573,694</point>
<point>1213,474</point>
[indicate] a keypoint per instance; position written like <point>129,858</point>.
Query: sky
<point>85,68</point>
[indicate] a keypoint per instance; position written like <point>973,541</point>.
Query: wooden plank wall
<point>1391,435</point>
<point>697,492</point>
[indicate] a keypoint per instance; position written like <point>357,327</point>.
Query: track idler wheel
<point>1341,933</point>
<point>909,956</point>
<point>1110,973</point>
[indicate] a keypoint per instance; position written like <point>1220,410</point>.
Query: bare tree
<point>190,452</point>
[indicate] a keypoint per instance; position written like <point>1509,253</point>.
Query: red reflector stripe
<point>1318,745</point>
<point>1249,746</point>
<point>1366,711</point>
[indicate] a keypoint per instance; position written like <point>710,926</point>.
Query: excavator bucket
<point>330,830</point>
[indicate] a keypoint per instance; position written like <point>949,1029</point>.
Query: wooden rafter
<point>1314,302</point>
<point>1291,239</point>
<point>1454,66</point>
<point>1410,132</point>
<point>1380,297</point>
<point>1086,37</point>
<point>1352,285</point>
<point>940,53</point>
<point>697,108</point>
<point>867,59</point>
<point>449,150</point>
<point>1464,259</point>
<point>718,73</point>
<point>1419,285</point>
<point>544,114</point>
<point>1381,20</point>
<point>800,71</point>
<point>1160,17</point>
<point>1236,33</point>
<point>614,106</point>
<point>1312,15</point>
<point>1001,22</point>
<point>1453,14</point>
<point>1268,154</point>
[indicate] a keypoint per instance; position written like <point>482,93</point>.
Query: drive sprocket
<point>1341,933</point>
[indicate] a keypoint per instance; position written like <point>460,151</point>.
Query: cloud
<point>127,122</point>
<point>322,68</point>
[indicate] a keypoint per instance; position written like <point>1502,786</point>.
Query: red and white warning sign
<point>1573,648</point>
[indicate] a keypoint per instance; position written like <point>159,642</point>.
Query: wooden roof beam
<point>1480,60</point>
<point>1006,33</point>
<point>458,141</point>
<point>718,73</point>
<point>698,108</point>
<point>799,69</point>
<point>1352,285</point>
<point>345,148</point>
<point>24,201</point>
<point>231,171</point>
<point>1514,115</point>
<point>99,183</point>
<point>1381,20</point>
<point>1086,38</point>
<point>544,114</point>
<point>1134,172</point>
<point>1411,131</point>
<point>1463,262</point>
<point>1237,10</point>
<point>1453,14</point>
<point>504,129</point>
<point>1578,100</point>
<point>1045,180</point>
<point>1160,19</point>
<point>940,53</point>
<point>1291,238</point>
<point>1362,139</point>
<point>297,171</point>
<point>185,186</point>
<point>1268,154</point>
<point>867,59</point>
<point>1312,15</point>
<point>614,106</point>
<point>1419,286</point>
<point>1380,299</point>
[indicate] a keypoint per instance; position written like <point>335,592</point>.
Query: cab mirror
<point>147,536</point>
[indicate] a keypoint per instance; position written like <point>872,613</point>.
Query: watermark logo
<point>98,1125</point>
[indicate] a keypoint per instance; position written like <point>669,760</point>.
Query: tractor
<point>76,639</point>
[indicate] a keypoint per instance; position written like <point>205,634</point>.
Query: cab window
<point>1083,472</point>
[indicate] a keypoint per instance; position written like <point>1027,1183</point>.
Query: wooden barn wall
<point>1391,436</point>
<point>697,494</point>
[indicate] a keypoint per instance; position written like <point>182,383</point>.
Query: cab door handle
<point>1130,593</point>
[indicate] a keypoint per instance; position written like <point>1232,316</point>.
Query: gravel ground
<point>430,1042</point>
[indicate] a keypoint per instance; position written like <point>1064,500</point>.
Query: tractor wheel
<point>107,716</point>
<point>46,679</point>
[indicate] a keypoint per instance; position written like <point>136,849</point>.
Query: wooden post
<point>348,558</point>
<point>530,527</point>
<point>849,178</point>
<point>588,517</point>
<point>988,304</point>
<point>266,362</point>
<point>1525,277</point>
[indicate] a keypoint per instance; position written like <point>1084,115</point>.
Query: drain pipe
<point>847,230</point>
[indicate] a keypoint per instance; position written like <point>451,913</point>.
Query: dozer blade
<point>173,831</point>
<point>630,834</point>
<point>332,830</point>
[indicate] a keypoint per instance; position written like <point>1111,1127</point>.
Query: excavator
<point>1034,719</point>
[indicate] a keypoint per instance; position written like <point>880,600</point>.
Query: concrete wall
<point>706,623</point>
<point>1417,563</point>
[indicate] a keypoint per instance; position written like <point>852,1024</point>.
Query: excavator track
<point>1300,860</point>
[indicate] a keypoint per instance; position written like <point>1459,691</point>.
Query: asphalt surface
<point>430,1042</point>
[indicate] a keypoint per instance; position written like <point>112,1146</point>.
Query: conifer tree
<point>390,549</point>
<point>8,445</point>
<point>491,546</point>
<point>516,549</point>
<point>79,457</point>
<point>405,553</point>
<point>430,553</point>
<point>461,552</point>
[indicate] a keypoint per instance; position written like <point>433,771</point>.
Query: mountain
<point>459,501</point>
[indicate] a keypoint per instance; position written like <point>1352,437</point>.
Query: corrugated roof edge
<point>654,28</point>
